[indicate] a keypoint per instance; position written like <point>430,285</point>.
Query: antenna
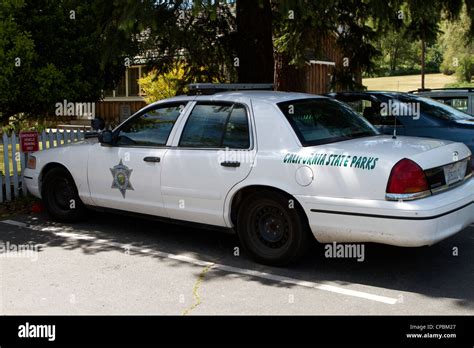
<point>394,136</point>
<point>395,126</point>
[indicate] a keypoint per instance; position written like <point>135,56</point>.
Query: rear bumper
<point>409,224</point>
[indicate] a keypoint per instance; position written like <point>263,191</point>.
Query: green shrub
<point>460,85</point>
<point>21,122</point>
<point>465,70</point>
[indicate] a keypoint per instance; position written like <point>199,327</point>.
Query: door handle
<point>233,164</point>
<point>152,159</point>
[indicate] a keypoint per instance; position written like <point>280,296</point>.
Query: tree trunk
<point>255,45</point>
<point>393,59</point>
<point>423,53</point>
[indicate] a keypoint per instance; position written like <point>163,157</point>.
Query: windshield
<point>322,121</point>
<point>436,109</point>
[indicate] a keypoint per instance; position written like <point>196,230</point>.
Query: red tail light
<point>407,178</point>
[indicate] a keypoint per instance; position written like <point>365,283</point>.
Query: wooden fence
<point>13,161</point>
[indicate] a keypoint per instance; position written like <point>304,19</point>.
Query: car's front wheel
<point>272,228</point>
<point>60,196</point>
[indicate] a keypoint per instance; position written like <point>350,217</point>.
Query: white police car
<point>278,168</point>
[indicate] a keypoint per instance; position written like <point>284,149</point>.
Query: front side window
<point>216,125</point>
<point>322,121</point>
<point>151,128</point>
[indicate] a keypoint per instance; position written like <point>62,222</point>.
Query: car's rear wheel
<point>272,228</point>
<point>60,197</point>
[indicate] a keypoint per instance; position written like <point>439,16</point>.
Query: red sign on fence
<point>29,141</point>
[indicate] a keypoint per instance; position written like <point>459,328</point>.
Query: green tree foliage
<point>465,71</point>
<point>198,34</point>
<point>17,50</point>
<point>442,25</point>
<point>458,48</point>
<point>400,56</point>
<point>214,41</point>
<point>353,25</point>
<point>56,50</point>
<point>165,85</point>
<point>425,21</point>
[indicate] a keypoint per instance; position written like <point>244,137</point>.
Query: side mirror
<point>97,123</point>
<point>106,137</point>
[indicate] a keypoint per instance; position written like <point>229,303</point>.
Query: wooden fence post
<point>6,163</point>
<point>43,140</point>
<point>1,187</point>
<point>23,162</point>
<point>19,158</point>
<point>15,161</point>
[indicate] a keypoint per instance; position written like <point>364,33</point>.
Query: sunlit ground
<point>407,83</point>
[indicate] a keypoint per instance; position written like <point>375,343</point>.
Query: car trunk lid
<point>360,168</point>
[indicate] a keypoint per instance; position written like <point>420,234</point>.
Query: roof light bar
<point>211,88</point>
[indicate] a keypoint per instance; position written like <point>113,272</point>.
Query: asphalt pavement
<point>112,264</point>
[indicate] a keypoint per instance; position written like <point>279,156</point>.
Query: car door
<point>213,151</point>
<point>127,174</point>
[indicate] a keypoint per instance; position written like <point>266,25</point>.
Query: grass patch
<point>407,83</point>
<point>460,85</point>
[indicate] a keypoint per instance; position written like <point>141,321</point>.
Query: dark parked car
<point>411,115</point>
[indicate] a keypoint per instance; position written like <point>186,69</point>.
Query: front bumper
<point>32,182</point>
<point>409,224</point>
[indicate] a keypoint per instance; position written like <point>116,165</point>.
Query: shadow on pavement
<point>429,271</point>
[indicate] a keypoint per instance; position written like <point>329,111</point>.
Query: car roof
<point>445,90</point>
<point>267,96</point>
<point>390,94</point>
<point>365,92</point>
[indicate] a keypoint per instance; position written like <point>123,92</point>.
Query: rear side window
<point>216,126</point>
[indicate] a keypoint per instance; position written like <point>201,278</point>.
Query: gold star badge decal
<point>121,178</point>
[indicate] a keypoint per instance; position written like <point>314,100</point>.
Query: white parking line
<point>15,223</point>
<point>212,265</point>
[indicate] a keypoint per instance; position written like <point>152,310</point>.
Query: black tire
<point>272,230</point>
<point>60,197</point>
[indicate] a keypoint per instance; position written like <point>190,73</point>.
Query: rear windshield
<point>321,121</point>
